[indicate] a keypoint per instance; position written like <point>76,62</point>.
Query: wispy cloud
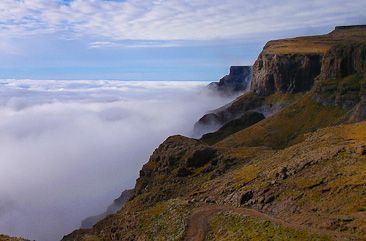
<point>171,20</point>
<point>134,44</point>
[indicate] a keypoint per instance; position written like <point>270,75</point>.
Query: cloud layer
<point>173,19</point>
<point>68,148</point>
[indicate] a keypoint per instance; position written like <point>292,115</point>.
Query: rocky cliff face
<point>344,59</point>
<point>236,81</point>
<point>285,73</point>
<point>292,65</point>
<point>342,81</point>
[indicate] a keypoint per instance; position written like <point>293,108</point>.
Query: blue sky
<point>153,40</point>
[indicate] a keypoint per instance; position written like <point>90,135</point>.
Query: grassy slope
<point>314,44</point>
<point>288,126</point>
<point>234,227</point>
<point>322,170</point>
<point>305,115</point>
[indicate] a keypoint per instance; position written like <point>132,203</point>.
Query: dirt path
<point>198,223</point>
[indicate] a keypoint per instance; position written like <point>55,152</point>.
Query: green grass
<point>288,126</point>
<point>234,227</point>
<point>164,222</point>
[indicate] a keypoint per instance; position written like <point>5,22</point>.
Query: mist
<point>68,148</point>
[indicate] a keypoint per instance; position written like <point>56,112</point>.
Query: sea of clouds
<point>68,148</point>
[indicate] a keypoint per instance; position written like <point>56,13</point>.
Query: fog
<point>68,148</point>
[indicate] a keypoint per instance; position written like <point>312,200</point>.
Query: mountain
<point>111,209</point>
<point>288,163</point>
<point>289,68</point>
<point>236,81</point>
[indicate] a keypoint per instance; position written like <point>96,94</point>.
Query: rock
<point>200,157</point>
<point>177,156</point>
<point>343,60</point>
<point>183,172</point>
<point>283,173</point>
<point>246,197</point>
<point>210,200</point>
<point>238,80</point>
<point>361,150</point>
<point>269,199</point>
<point>284,73</point>
<point>345,219</point>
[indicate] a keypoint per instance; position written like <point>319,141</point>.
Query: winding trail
<point>198,223</point>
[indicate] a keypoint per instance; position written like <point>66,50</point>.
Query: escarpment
<point>285,73</point>
<point>343,60</point>
<point>293,67</point>
<point>286,156</point>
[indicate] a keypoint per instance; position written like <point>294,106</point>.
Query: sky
<point>153,40</point>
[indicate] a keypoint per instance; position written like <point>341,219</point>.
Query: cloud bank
<point>68,148</point>
<point>172,20</point>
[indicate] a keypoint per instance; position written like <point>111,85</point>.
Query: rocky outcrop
<point>237,80</point>
<point>113,208</point>
<point>285,73</point>
<point>176,157</point>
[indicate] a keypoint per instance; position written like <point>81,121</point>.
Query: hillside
<point>7,238</point>
<point>289,163</point>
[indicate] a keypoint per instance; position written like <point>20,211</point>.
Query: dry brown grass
<point>315,44</point>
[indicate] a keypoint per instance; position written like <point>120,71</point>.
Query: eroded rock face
<point>342,81</point>
<point>343,60</point>
<point>285,73</point>
<point>236,81</point>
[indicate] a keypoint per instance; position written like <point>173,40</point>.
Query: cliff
<point>291,65</point>
<point>236,81</point>
<point>288,68</point>
<point>288,164</point>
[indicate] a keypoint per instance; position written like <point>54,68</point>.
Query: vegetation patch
<point>234,227</point>
<point>165,221</point>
